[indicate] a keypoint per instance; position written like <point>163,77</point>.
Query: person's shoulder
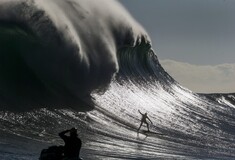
<point>78,139</point>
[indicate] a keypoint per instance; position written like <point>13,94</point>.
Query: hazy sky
<point>194,40</point>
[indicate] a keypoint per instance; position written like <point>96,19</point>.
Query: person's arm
<point>140,112</point>
<point>150,120</point>
<point>62,134</point>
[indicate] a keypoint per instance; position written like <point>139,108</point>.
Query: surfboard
<point>151,133</point>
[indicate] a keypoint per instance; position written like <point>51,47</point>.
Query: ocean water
<point>91,66</point>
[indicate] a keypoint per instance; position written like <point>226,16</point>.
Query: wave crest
<point>60,51</point>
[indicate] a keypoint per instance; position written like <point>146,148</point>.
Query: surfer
<point>144,120</point>
<point>72,144</point>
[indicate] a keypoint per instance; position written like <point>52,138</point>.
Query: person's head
<point>73,132</point>
<point>145,114</point>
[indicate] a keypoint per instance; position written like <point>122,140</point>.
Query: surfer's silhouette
<point>72,144</point>
<point>144,120</point>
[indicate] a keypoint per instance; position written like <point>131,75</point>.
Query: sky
<point>193,39</point>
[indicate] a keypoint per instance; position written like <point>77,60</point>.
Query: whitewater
<point>88,64</point>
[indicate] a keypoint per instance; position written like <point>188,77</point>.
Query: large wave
<point>62,53</point>
<point>57,52</point>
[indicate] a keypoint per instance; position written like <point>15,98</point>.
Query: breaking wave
<point>56,52</point>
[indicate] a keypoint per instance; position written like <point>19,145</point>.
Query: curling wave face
<point>56,52</point>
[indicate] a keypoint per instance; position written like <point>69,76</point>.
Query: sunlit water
<point>185,126</point>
